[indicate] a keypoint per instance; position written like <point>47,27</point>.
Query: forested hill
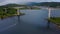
<point>51,4</point>
<point>11,5</point>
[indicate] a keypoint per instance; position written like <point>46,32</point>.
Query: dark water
<point>33,22</point>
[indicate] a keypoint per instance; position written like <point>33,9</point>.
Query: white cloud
<point>2,2</point>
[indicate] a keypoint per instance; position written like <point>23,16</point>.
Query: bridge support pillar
<point>18,15</point>
<point>49,15</point>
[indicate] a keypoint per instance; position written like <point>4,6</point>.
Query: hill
<point>11,5</point>
<point>50,4</point>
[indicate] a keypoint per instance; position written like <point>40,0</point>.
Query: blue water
<point>33,22</point>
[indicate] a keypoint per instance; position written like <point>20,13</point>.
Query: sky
<point>3,2</point>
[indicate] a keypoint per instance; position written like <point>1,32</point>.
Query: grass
<point>55,20</point>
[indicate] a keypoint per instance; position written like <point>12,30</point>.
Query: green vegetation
<point>50,4</point>
<point>10,12</point>
<point>55,20</point>
<point>12,5</point>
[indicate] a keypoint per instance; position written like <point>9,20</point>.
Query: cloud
<point>3,2</point>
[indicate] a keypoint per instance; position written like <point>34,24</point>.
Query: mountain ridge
<point>50,4</point>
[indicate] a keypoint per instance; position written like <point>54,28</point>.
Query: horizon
<point>4,2</point>
<point>25,3</point>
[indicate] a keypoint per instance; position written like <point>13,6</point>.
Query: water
<point>33,22</point>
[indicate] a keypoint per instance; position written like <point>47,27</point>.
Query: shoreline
<point>3,17</point>
<point>56,21</point>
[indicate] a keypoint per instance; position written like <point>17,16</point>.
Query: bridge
<point>18,10</point>
<point>42,7</point>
